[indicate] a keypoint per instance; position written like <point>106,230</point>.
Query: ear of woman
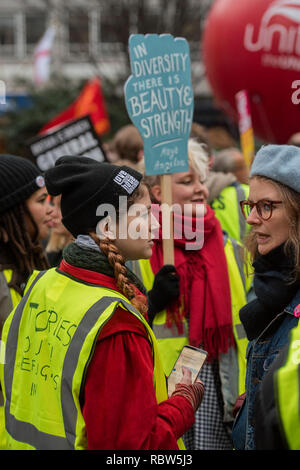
<point>106,228</point>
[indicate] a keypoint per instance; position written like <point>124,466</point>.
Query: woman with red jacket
<point>114,398</point>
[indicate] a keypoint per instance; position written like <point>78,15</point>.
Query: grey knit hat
<point>19,179</point>
<point>280,163</point>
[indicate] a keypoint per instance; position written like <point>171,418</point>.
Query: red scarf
<point>204,285</point>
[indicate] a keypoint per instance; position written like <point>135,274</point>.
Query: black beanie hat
<point>84,184</point>
<point>19,179</point>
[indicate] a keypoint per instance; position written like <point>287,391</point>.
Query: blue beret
<point>280,163</point>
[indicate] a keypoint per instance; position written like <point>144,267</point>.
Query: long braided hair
<point>117,261</point>
<point>24,252</point>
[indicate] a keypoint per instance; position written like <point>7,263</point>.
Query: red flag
<point>90,101</point>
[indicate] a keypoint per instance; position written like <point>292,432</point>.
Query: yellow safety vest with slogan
<point>227,209</point>
<point>15,298</point>
<point>59,319</point>
<point>287,392</point>
<point>171,342</point>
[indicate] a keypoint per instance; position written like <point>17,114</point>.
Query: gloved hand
<point>165,289</point>
<point>192,392</point>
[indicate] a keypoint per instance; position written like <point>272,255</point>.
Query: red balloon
<point>254,45</point>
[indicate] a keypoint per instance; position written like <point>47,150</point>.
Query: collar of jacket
<point>86,275</point>
<point>92,260</point>
<point>292,307</point>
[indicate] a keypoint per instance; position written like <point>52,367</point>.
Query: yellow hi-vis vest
<point>15,296</point>
<point>287,392</point>
<point>227,209</point>
<point>50,339</point>
<point>13,300</point>
<point>171,342</point>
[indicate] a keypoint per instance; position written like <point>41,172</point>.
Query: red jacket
<point>120,408</point>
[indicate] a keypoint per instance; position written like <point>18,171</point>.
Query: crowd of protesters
<point>92,322</point>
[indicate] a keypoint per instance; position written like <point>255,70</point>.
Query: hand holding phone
<point>190,358</point>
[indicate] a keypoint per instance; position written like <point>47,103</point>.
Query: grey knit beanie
<point>280,163</point>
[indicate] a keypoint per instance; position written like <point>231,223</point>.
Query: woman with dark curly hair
<point>25,220</point>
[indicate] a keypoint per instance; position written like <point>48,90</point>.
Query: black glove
<point>165,289</point>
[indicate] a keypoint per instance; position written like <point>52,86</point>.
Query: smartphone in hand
<point>190,357</point>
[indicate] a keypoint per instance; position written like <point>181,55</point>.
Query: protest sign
<point>160,103</point>
<point>159,99</point>
<point>245,126</point>
<point>78,137</point>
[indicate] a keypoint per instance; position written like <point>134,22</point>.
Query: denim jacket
<point>261,352</point>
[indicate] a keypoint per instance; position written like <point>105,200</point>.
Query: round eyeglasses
<point>264,208</point>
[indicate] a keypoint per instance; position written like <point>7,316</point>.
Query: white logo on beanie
<point>128,182</point>
<point>40,182</point>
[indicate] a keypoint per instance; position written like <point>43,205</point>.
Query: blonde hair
<point>198,159</point>
<point>291,203</point>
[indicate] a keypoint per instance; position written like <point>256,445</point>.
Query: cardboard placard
<point>159,99</point>
<point>160,103</point>
<point>78,137</point>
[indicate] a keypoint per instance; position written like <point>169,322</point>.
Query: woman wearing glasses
<point>273,211</point>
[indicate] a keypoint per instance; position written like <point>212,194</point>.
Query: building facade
<point>91,35</point>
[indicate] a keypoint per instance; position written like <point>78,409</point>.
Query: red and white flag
<point>90,101</point>
<point>42,56</point>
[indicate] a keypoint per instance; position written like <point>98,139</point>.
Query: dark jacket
<point>261,353</point>
<point>267,430</point>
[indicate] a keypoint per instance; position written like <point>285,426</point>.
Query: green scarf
<point>87,258</point>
